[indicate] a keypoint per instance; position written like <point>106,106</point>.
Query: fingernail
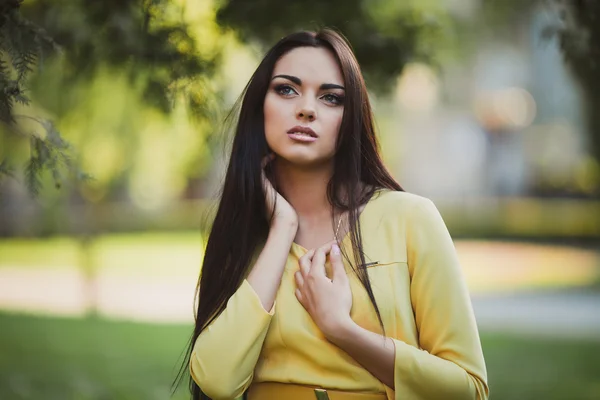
<point>335,249</point>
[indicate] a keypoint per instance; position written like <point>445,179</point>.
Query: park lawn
<point>63,358</point>
<point>151,253</point>
<point>60,358</point>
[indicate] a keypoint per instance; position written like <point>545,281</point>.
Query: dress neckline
<point>301,250</point>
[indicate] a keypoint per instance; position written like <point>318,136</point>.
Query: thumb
<point>337,265</point>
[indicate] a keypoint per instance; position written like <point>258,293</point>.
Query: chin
<point>304,158</point>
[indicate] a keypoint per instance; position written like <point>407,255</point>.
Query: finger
<point>327,246</point>
<point>317,266</point>
<point>305,261</point>
<point>265,182</point>
<point>299,279</point>
<point>267,187</point>
<point>264,162</point>
<point>325,249</point>
<point>267,159</point>
<point>337,264</point>
<point>299,296</point>
<point>269,190</point>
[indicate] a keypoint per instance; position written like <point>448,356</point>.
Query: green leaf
<point>6,169</point>
<point>32,176</point>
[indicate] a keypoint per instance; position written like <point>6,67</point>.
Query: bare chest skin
<point>311,235</point>
<point>314,234</point>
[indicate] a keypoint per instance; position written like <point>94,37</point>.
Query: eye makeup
<point>284,90</point>
<point>287,90</point>
<point>333,98</point>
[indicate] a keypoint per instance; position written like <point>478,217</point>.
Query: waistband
<point>290,391</point>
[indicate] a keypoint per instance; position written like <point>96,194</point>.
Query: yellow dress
<point>421,294</point>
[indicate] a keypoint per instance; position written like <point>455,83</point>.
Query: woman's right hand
<point>277,206</point>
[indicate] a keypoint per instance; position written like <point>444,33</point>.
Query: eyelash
<point>337,100</point>
<point>334,98</point>
<point>280,88</point>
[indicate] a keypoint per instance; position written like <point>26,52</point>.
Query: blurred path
<point>570,314</point>
<point>65,291</point>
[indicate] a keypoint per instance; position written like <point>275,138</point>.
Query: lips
<point>302,131</point>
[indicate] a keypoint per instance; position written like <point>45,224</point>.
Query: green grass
<point>134,253</point>
<point>52,252</point>
<point>58,358</point>
<point>541,368</point>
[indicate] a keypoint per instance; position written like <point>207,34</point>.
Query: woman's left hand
<point>328,301</point>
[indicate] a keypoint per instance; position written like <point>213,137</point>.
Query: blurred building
<point>504,121</point>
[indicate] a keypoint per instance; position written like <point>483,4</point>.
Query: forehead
<point>311,64</point>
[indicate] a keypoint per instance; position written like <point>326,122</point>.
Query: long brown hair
<point>241,224</point>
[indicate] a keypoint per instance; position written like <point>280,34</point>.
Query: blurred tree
<point>579,37</point>
<point>148,40</point>
<point>22,44</point>
<point>384,34</point>
<point>124,67</point>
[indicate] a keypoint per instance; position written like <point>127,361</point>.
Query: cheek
<point>333,123</point>
<point>273,112</point>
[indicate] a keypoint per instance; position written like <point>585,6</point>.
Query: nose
<point>306,112</point>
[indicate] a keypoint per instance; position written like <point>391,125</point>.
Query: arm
<point>225,354</point>
<point>371,350</point>
<point>450,364</point>
<point>265,276</point>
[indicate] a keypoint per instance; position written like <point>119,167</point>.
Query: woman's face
<point>304,106</point>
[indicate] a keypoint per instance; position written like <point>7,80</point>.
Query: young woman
<point>322,278</point>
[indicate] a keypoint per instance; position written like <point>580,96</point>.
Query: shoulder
<point>408,210</point>
<point>417,220</point>
<point>393,202</point>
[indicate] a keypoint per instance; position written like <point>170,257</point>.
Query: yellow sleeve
<point>449,364</point>
<point>225,354</point>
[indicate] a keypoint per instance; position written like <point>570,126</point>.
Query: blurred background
<point>113,147</point>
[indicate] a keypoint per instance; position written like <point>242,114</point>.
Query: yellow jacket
<point>424,303</point>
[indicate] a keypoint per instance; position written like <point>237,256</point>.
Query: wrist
<point>339,333</point>
<point>281,222</point>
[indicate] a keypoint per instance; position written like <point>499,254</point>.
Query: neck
<point>305,189</point>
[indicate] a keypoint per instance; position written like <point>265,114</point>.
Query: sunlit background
<point>489,108</point>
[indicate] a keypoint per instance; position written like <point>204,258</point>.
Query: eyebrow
<point>298,82</point>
